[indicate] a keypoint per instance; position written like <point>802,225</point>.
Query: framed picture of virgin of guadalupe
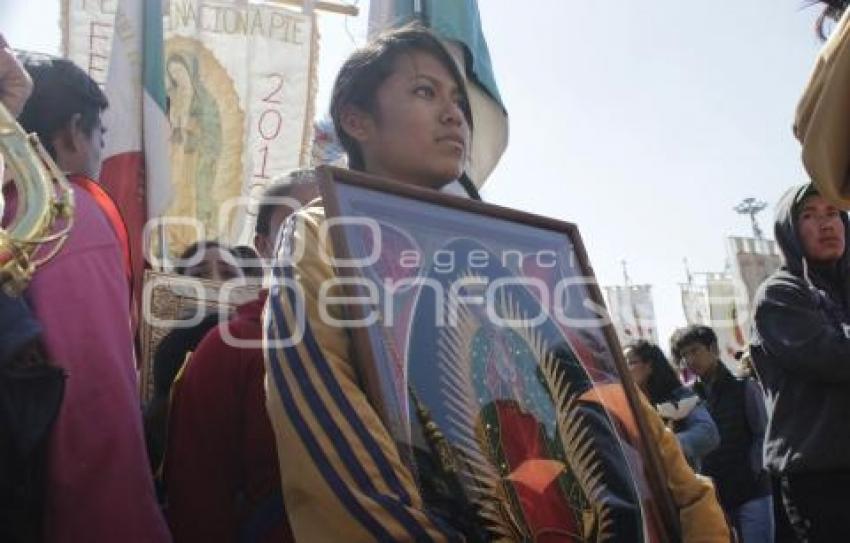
<point>483,343</point>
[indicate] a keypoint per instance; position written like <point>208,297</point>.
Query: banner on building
<point>240,84</point>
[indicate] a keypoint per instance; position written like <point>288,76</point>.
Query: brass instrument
<point>45,206</point>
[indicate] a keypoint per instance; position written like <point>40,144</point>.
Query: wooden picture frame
<point>171,298</point>
<point>490,407</point>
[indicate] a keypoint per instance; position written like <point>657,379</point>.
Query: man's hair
<point>60,90</point>
<point>663,380</point>
<point>281,188</point>
<point>800,203</point>
<point>695,333</point>
<point>367,68</point>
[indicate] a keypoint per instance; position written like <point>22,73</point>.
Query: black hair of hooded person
<point>361,75</point>
<point>800,201</point>
<point>663,380</point>
<point>695,333</point>
<point>61,89</point>
<point>277,190</point>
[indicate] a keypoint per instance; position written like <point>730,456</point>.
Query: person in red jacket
<point>221,466</point>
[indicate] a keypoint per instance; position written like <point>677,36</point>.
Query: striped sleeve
<point>342,476</point>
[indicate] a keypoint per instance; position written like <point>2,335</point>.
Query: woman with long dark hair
<point>677,404</point>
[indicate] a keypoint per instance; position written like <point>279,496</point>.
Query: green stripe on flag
<point>153,72</point>
<point>457,20</point>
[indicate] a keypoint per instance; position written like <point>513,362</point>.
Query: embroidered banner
<point>695,304</point>
<point>729,312</point>
<point>240,83</point>
<point>632,312</point>
<point>753,261</point>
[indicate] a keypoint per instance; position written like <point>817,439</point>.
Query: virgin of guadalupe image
<point>504,427</point>
<point>196,138</point>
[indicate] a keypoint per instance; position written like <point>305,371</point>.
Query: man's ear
<point>65,144</point>
<point>66,139</point>
<point>75,128</point>
<point>356,123</point>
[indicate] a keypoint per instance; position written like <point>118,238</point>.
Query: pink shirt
<point>99,487</point>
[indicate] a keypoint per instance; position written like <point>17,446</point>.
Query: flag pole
<point>330,7</point>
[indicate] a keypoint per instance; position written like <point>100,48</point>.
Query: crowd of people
<point>772,438</point>
<point>280,441</point>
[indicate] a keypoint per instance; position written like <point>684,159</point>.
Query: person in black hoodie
<point>801,352</point>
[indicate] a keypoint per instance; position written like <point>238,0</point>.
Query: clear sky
<point>642,121</point>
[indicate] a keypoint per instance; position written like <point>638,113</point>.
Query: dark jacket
<point>31,391</point>
<point>735,405</point>
<point>801,352</point>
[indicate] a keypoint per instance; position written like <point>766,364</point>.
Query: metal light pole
<point>751,207</point>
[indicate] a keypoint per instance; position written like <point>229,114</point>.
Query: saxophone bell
<point>45,205</point>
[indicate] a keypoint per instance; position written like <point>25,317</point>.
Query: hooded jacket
<point>801,352</point>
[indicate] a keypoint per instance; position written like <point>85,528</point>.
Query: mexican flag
<point>136,169</point>
<point>458,24</point>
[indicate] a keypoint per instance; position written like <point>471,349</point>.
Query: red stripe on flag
<point>123,177</point>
